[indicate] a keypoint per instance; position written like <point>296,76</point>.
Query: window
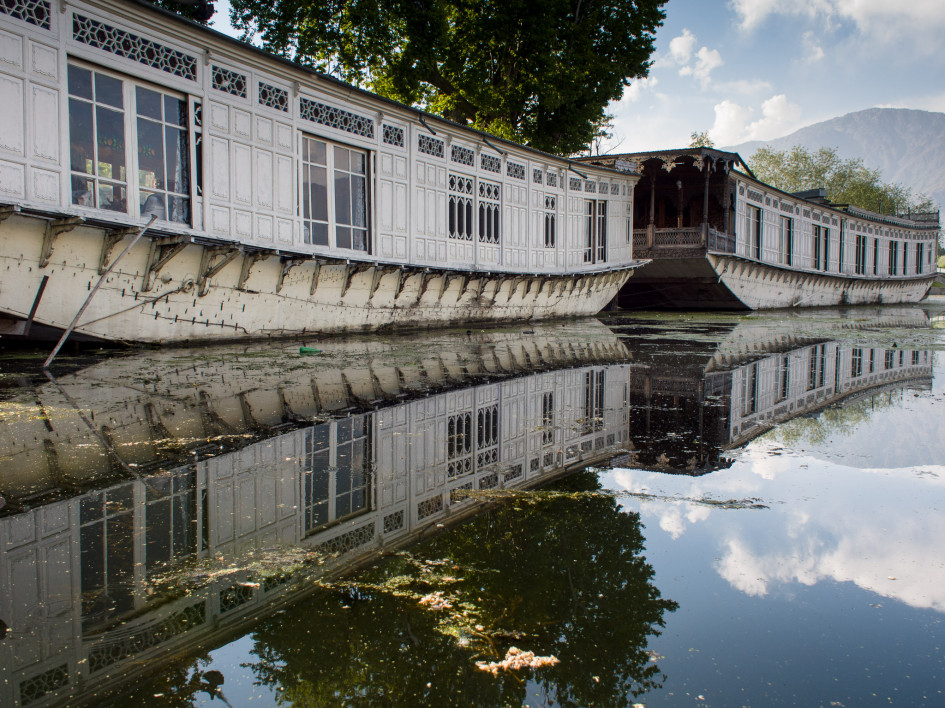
<point>593,402</point>
<point>97,140</point>
<point>919,248</point>
<point>750,390</point>
<point>860,254</point>
<point>817,247</point>
<point>460,207</point>
<point>489,210</point>
<point>336,471</point>
<point>754,231</point>
<point>106,145</point>
<point>550,220</point>
<point>856,363</point>
<point>875,256</point>
<point>893,264</point>
<point>595,234</point>
<point>784,378</point>
<point>163,156</point>
<point>342,200</point>
<point>786,245</point>
<point>548,418</point>
<point>905,258</point>
<point>818,365</point>
<point>826,237</point>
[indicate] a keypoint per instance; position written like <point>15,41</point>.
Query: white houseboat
<point>718,238</point>
<point>284,201</point>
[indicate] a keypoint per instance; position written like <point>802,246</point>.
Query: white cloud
<point>733,122</point>
<point>706,61</point>
<point>635,90</point>
<point>813,52</point>
<point>681,47</point>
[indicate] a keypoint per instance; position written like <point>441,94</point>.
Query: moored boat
<point>719,238</point>
<point>284,200</point>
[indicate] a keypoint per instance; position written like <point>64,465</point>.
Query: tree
<point>197,10</point>
<point>700,140</point>
<point>540,72</point>
<point>846,181</point>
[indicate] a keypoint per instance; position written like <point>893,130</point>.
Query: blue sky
<point>759,69</point>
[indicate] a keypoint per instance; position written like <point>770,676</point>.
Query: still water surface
<point>659,510</point>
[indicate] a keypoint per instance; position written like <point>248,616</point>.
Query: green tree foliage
<point>540,72</point>
<point>196,10</point>
<point>700,139</point>
<point>846,181</point>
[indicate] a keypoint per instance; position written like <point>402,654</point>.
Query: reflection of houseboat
<point>719,238</point>
<point>285,200</point>
<point>78,574</point>
<point>686,415</point>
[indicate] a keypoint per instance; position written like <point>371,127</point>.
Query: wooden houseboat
<point>284,201</point>
<point>718,238</point>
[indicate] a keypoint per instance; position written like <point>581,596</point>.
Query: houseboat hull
<point>716,281</point>
<point>173,289</point>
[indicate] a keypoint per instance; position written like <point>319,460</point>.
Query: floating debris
<point>435,601</point>
<point>515,659</point>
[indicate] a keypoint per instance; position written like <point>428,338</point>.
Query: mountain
<point>907,146</point>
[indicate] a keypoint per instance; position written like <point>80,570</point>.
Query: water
<point>659,510</point>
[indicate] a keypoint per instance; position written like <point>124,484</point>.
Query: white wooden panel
<point>224,515</point>
<point>284,230</point>
<point>400,167</point>
<point>284,136</point>
<point>242,174</point>
<point>45,142</point>
<point>44,60</point>
<point>264,178</point>
<point>219,168</point>
<point>264,228</point>
<point>12,179</point>
<point>400,247</point>
<point>45,186</point>
<point>264,130</point>
<point>386,206</point>
<point>244,224</point>
<point>219,117</point>
<point>11,50</point>
<point>387,164</point>
<point>284,191</point>
<point>220,220</point>
<point>247,506</point>
<point>400,208</point>
<point>11,114</point>
<point>241,123</point>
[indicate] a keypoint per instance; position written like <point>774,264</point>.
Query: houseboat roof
<point>696,152</point>
<point>295,66</point>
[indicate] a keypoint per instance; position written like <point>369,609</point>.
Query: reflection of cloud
<point>825,522</point>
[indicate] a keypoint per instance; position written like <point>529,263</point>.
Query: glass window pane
<point>80,82</point>
<point>342,198</point>
<point>343,239</point>
<point>82,191</point>
<point>112,196</point>
<point>358,202</point>
<point>318,152</point>
<point>178,209</point>
<point>341,159</point>
<point>359,239</point>
<point>320,234</point>
<point>108,90</point>
<point>357,162</point>
<point>319,179</point>
<point>81,142</point>
<point>150,155</point>
<point>176,152</point>
<point>152,203</point>
<point>148,102</point>
<point>111,143</point>
<point>175,111</point>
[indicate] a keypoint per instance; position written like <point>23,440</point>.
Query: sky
<point>760,69</point>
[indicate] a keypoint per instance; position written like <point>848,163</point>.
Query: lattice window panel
<point>32,689</point>
<point>103,656</point>
<point>489,481</point>
<point>393,135</point>
<point>490,163</point>
<point>487,436</point>
<point>227,81</point>
<point>430,506</point>
<point>614,188</point>
<point>36,13</point>
<point>575,184</point>
<point>590,186</point>
<point>394,522</point>
<point>231,598</point>
<point>515,170</point>
<point>273,97</point>
<point>131,46</point>
<point>551,179</point>
<point>347,541</point>
<point>459,444</point>
<point>537,176</point>
<point>431,146</point>
<point>603,187</point>
<point>489,212</point>
<point>462,155</point>
<point>460,207</point>
<point>337,118</point>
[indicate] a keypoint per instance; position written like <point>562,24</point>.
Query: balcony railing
<point>682,238</point>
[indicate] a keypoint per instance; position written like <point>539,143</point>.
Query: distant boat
<point>718,238</point>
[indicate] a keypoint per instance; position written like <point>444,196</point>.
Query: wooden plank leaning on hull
<point>182,289</point>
